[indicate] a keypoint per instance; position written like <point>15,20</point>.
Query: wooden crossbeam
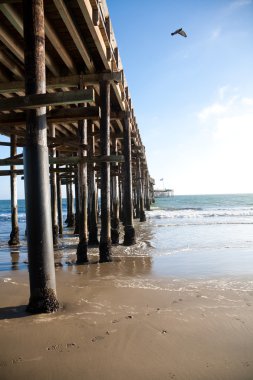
<point>67,160</point>
<point>43,100</point>
<point>66,81</point>
<point>61,115</point>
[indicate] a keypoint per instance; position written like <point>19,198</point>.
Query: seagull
<point>179,31</point>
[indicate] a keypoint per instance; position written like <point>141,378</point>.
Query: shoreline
<point>118,321</point>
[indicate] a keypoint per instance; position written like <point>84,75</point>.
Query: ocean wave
<point>6,217</point>
<point>187,213</point>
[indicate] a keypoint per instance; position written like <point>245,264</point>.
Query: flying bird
<point>179,31</point>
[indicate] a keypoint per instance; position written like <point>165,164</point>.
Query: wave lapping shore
<point>177,305</point>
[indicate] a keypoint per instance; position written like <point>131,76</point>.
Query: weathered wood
<point>81,253</point>
<point>129,237</point>
<point>14,236</point>
<point>115,199</point>
<point>147,191</point>
<point>39,231</point>
<point>66,81</point>
<point>70,220</point>
<point>67,19</point>
<point>92,190</point>
<point>65,115</point>
<point>50,99</point>
<point>67,160</point>
<point>105,234</point>
<point>140,191</point>
<point>76,230</point>
<point>53,187</point>
<point>59,203</point>
<point>4,173</point>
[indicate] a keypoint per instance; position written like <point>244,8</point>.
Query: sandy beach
<point>118,321</point>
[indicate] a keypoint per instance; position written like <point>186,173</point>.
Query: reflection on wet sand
<point>14,260</point>
<point>120,267</point>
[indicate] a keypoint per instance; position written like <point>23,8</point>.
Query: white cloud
<point>229,128</point>
<point>215,109</point>
<point>240,3</point>
<point>247,101</point>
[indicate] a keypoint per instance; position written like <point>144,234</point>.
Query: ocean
<point>190,236</point>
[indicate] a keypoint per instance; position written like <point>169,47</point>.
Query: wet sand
<point>121,321</point>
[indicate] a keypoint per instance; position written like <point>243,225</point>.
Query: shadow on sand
<point>12,312</point>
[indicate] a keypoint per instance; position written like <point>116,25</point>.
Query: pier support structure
<point>36,167</point>
<point>115,198</point>
<point>70,221</point>
<point>129,237</point>
<point>82,257</point>
<point>92,190</point>
<point>140,182</point>
<point>53,186</point>
<point>105,234</point>
<point>14,235</point>
<point>59,203</point>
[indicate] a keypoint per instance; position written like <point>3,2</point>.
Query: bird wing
<point>182,33</point>
<point>176,31</point>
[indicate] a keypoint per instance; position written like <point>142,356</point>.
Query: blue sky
<point>193,97</point>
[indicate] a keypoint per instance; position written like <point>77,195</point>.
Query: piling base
<point>115,231</point>
<point>105,252</point>
<point>81,253</point>
<point>70,221</point>
<point>44,302</point>
<point>76,230</point>
<point>93,237</point>
<point>129,238</point>
<point>14,237</point>
<point>55,235</point>
<point>142,216</point>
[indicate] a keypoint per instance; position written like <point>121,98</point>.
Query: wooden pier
<point>64,98</point>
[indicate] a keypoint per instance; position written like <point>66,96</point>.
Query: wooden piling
<point>105,234</point>
<point>92,190</point>
<point>14,235</point>
<point>36,168</point>
<point>81,253</point>
<point>70,220</point>
<point>77,216</point>
<point>147,191</point>
<point>59,203</point>
<point>140,190</point>
<point>129,237</point>
<point>115,199</point>
<point>53,187</point>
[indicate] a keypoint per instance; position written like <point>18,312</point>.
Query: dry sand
<point>118,321</point>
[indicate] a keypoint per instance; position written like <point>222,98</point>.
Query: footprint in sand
<point>63,347</point>
<point>245,364</point>
<point>97,338</point>
<point>16,360</point>
<point>176,301</point>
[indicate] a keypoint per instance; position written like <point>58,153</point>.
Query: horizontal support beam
<point>51,99</point>
<point>66,115</point>
<point>9,172</point>
<point>62,115</point>
<point>66,81</point>
<point>21,171</point>
<point>67,160</point>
